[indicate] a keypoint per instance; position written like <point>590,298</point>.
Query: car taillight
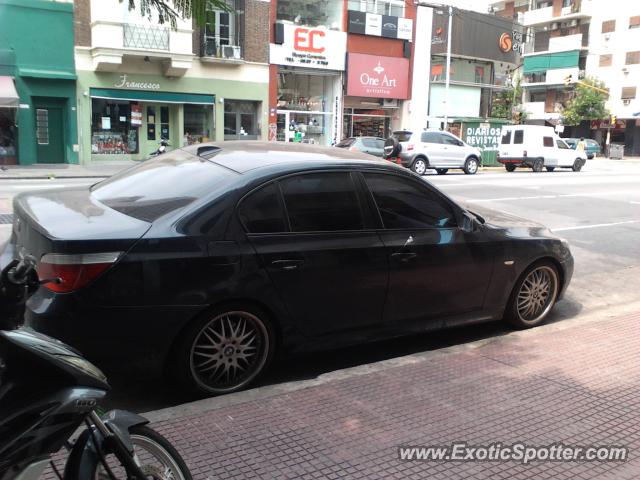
<point>73,271</point>
<point>410,147</point>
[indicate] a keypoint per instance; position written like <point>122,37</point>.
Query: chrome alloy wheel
<point>420,166</point>
<point>537,294</point>
<point>229,351</point>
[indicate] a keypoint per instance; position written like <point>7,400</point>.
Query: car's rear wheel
<point>471,166</point>
<point>509,167</point>
<point>550,169</point>
<point>224,350</point>
<point>538,164</point>
<point>577,165</point>
<point>534,295</point>
<point>442,171</point>
<point>419,166</point>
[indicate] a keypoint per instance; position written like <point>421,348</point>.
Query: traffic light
<point>613,119</point>
<point>568,79</point>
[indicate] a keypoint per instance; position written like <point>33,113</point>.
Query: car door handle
<point>404,257</point>
<point>288,264</point>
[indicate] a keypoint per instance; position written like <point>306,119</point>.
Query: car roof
<point>244,156</point>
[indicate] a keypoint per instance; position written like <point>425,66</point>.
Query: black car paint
<point>188,260</point>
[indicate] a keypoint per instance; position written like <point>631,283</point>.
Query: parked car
<point>270,246</point>
<point>431,149</point>
<point>537,147</point>
<point>371,145</point>
<point>591,146</point>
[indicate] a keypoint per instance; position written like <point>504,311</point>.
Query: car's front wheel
<point>419,166</point>
<point>534,295</point>
<point>577,165</point>
<point>471,166</point>
<point>225,350</point>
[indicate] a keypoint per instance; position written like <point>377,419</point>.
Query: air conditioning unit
<point>581,74</point>
<point>626,101</point>
<point>625,70</point>
<point>231,51</point>
<point>607,36</point>
<point>554,26</point>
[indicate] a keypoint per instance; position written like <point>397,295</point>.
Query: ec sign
<point>310,47</point>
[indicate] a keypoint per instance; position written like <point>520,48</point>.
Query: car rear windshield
<point>347,142</point>
<point>402,136</point>
<point>161,186</point>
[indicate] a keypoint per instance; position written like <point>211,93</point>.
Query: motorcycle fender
<point>84,456</point>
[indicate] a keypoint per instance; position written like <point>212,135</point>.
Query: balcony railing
<point>146,37</point>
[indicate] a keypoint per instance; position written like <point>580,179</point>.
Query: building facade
<point>339,68</point>
<point>140,81</point>
<point>581,38</point>
<point>37,83</point>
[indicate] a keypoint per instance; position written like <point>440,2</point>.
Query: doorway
<point>49,128</point>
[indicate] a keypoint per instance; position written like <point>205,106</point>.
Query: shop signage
<point>511,42</point>
<point>380,25</point>
<point>483,136</point>
<point>136,115</point>
<point>124,82</point>
<point>310,47</point>
<point>377,77</point>
<point>619,125</point>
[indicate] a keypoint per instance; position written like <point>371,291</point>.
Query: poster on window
<point>136,115</point>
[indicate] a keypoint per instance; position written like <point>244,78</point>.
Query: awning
<point>8,96</point>
<point>151,96</point>
<point>542,63</point>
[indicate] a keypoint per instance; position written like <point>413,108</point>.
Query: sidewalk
<point>38,171</point>
<point>573,382</point>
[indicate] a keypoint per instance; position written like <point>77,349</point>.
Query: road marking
<point>598,225</point>
<point>563,195</point>
<point>635,203</point>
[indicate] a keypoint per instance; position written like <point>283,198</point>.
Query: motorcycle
<point>48,391</point>
<point>162,148</point>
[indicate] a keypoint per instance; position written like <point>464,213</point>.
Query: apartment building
<point>139,81</point>
<point>594,38</point>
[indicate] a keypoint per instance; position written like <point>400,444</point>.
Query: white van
<point>537,147</point>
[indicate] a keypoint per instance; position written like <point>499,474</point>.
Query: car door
<point>454,151</point>
<point>327,262</point>
<point>435,268</point>
<point>431,146</point>
<point>550,152</point>
<point>565,155</point>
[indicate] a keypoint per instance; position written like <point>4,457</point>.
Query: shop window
<point>609,26</point>
<point>462,70</point>
<point>111,129</point>
<point>164,123</point>
<point>42,126</point>
<point>197,123</point>
<point>394,8</point>
<point>312,13</point>
<point>8,138</point>
<point>221,34</point>
<point>304,92</point>
<point>241,120</point>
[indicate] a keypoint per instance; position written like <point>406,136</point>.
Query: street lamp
<point>448,73</point>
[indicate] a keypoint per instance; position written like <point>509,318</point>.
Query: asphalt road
<point>596,210</point>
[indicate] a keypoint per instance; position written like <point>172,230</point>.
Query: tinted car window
<point>379,143</point>
<point>561,144</point>
<point>345,143</point>
<point>402,136</point>
<point>404,204</point>
<point>449,140</point>
<point>518,136</point>
<point>322,202</point>
<point>547,141</point>
<point>369,142</point>
<point>430,137</point>
<point>506,137</point>
<point>261,211</point>
<point>157,187</point>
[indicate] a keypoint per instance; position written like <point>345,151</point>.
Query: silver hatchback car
<point>431,149</point>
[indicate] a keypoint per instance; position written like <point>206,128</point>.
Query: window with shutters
<point>628,93</point>
<point>42,126</point>
<point>609,26</point>
<point>634,22</point>
<point>633,58</point>
<point>605,60</point>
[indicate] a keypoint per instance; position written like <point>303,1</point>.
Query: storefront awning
<point>8,95</point>
<point>542,63</point>
<point>150,96</point>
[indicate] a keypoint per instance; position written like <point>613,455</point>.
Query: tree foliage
<point>508,103</point>
<point>587,103</point>
<point>169,11</point>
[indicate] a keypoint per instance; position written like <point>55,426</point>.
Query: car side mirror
<point>460,143</point>
<point>469,223</point>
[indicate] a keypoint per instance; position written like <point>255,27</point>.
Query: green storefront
<point>123,116</point>
<point>40,126</point>
<point>484,135</point>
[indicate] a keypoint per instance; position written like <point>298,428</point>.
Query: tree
<point>507,103</point>
<point>588,103</point>
<point>171,10</point>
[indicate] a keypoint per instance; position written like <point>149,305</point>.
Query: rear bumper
<point>517,161</point>
<point>402,159</point>
<point>114,338</point>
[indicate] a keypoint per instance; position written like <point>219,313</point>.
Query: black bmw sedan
<point>206,260</point>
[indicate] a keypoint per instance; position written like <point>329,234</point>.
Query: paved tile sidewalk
<point>578,385</point>
<point>94,170</point>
